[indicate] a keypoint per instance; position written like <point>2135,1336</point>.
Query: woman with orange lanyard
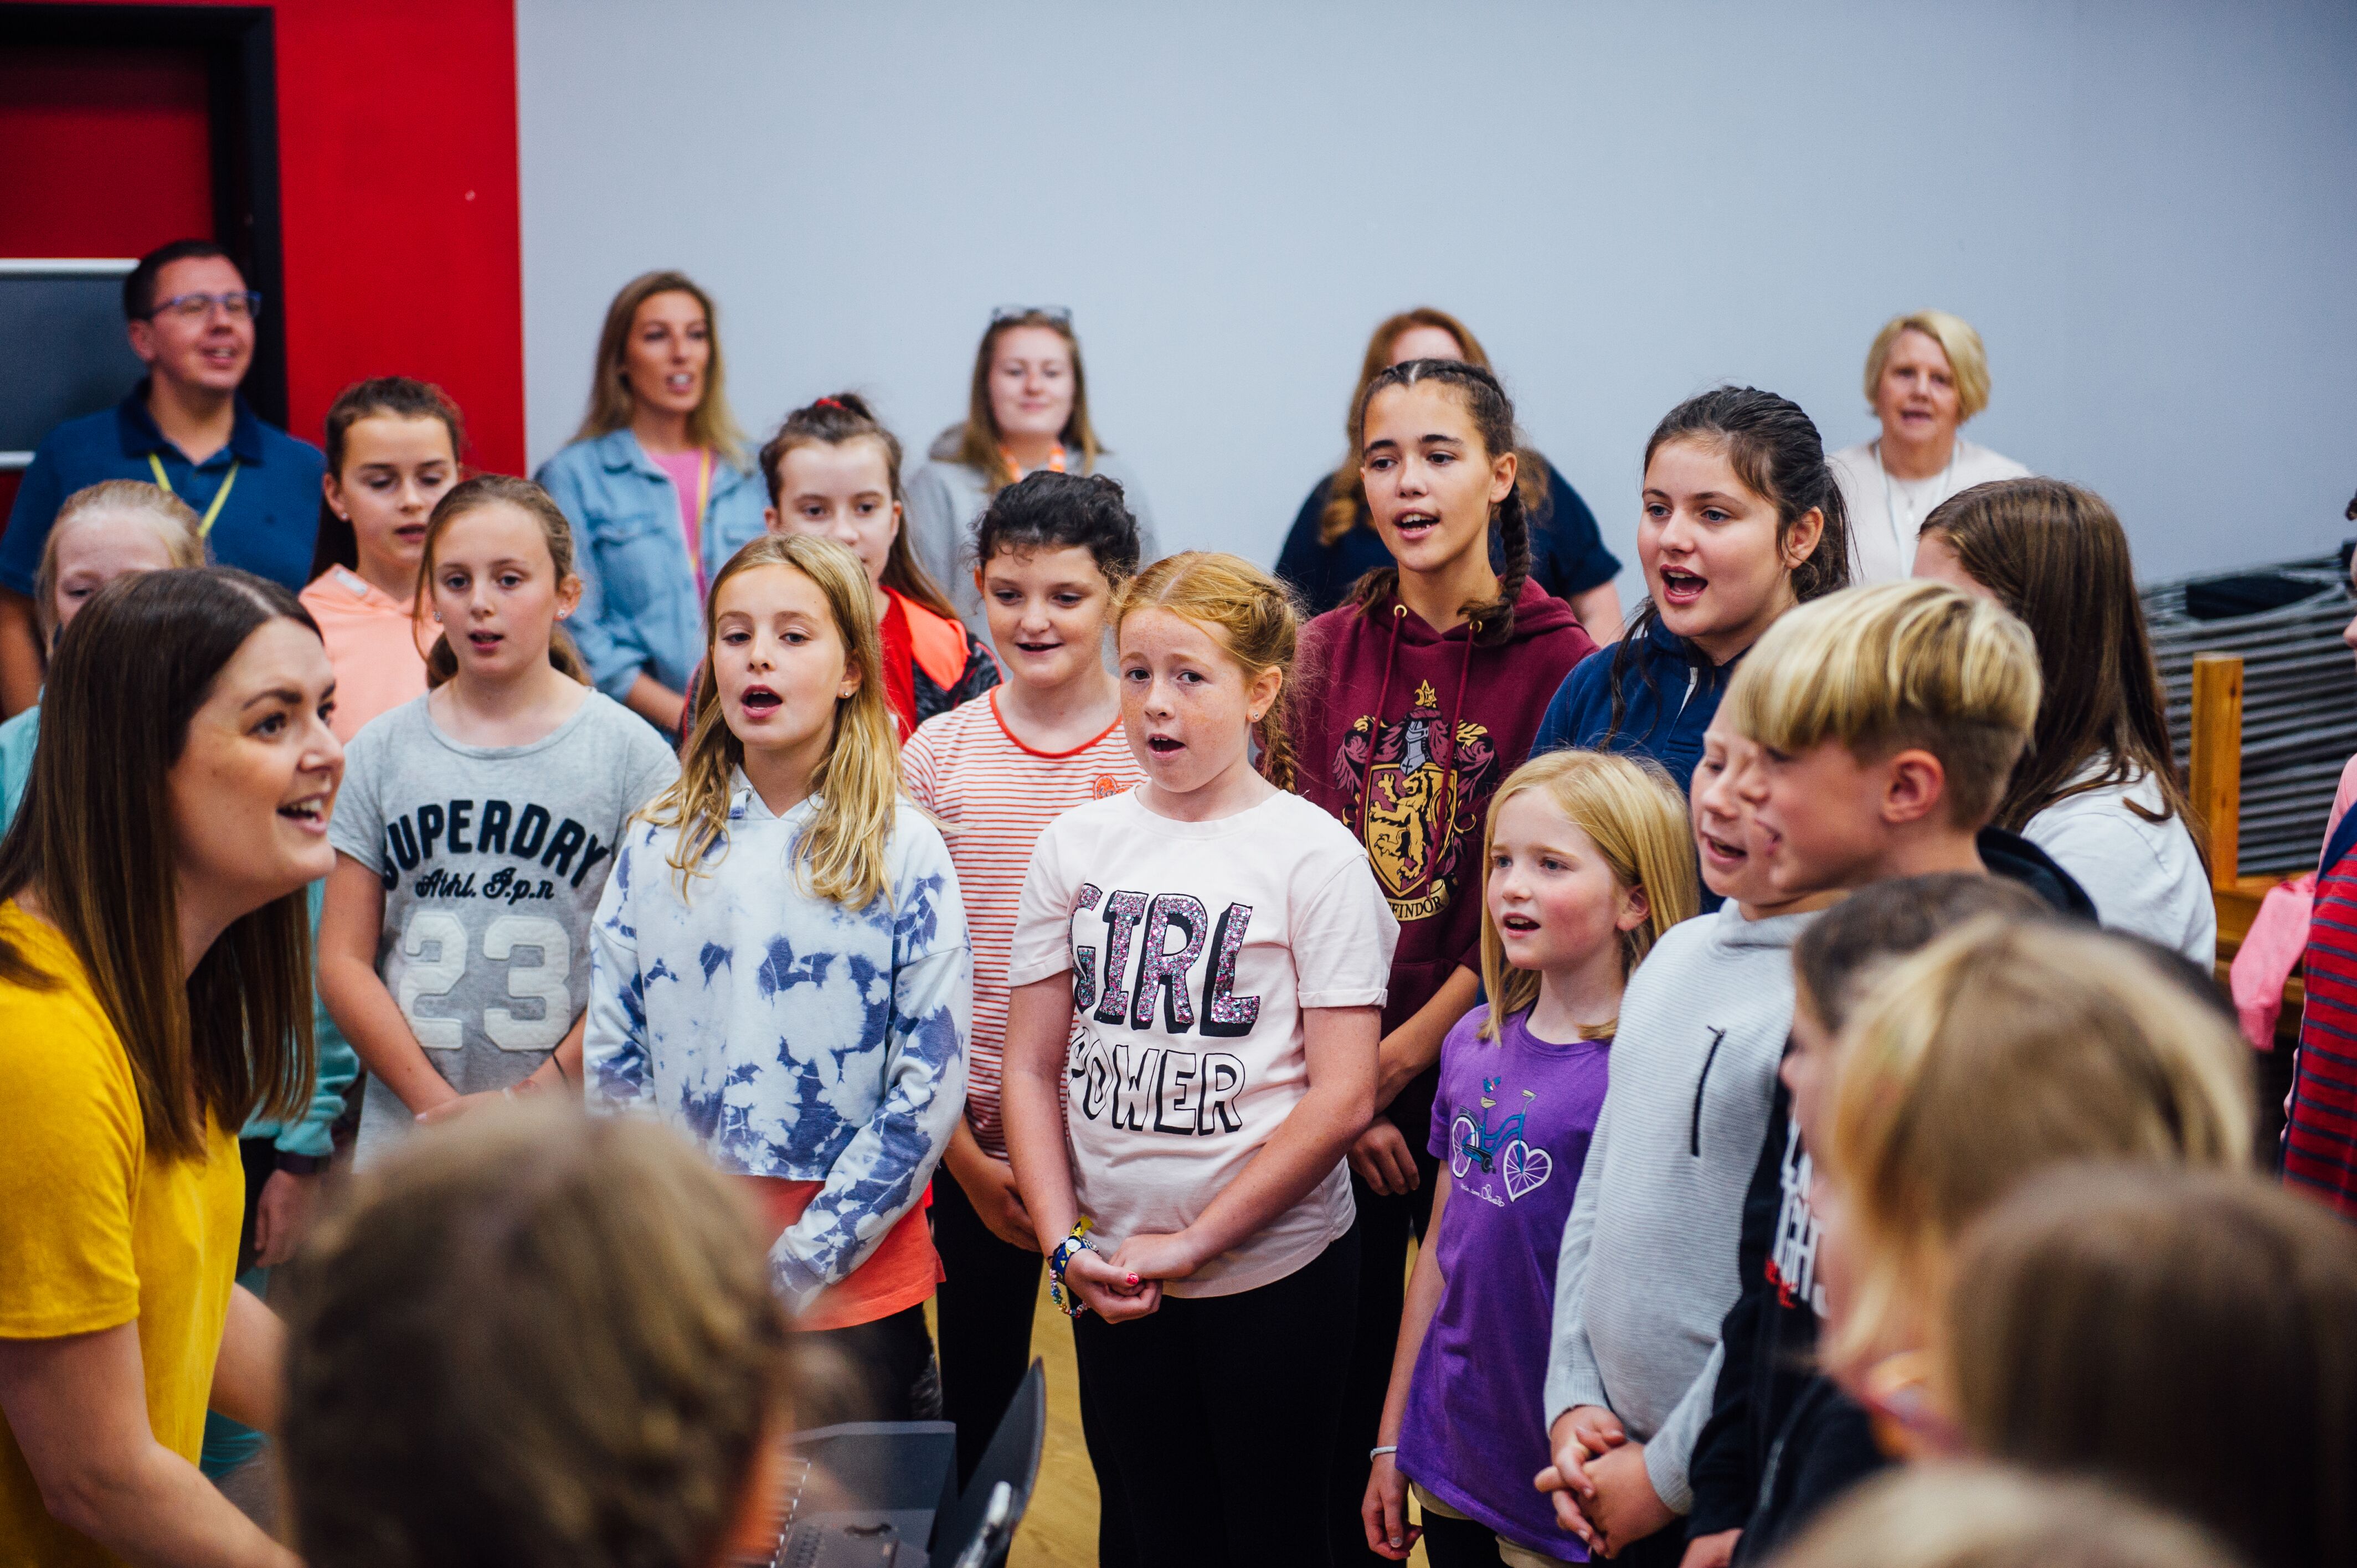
<point>655,489</point>
<point>1029,409</point>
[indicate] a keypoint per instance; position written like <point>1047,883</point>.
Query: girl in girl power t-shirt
<point>1200,966</point>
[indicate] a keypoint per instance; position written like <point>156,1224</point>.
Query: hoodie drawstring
<point>1446,755</point>
<point>1375,727</point>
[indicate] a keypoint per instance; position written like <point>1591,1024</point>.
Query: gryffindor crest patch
<point>1423,791</point>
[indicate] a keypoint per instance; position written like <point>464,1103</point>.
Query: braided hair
<point>1775,450</point>
<point>1493,423</point>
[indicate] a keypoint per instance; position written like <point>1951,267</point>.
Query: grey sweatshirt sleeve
<point>936,532</point>
<point>1133,496</point>
<point>1572,1377</point>
<point>1671,1450</point>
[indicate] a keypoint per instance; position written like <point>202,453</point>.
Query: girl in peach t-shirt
<point>392,453</point>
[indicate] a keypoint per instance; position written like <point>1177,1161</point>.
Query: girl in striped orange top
<point>1053,548</point>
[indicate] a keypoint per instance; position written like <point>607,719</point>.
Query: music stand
<point>877,1494</point>
<point>1011,1461</point>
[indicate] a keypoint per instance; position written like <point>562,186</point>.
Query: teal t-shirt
<point>17,738</point>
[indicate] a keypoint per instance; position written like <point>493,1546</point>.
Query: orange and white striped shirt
<point>996,796</point>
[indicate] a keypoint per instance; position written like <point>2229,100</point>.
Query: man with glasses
<point>184,427</point>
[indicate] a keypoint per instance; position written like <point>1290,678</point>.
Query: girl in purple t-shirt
<point>1588,860</point>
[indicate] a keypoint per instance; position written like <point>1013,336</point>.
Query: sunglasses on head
<point>1054,315</point>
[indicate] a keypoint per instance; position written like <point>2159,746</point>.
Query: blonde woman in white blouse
<point>1925,376</point>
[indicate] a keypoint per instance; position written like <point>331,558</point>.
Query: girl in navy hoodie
<point>1742,520</point>
<point>1419,696</point>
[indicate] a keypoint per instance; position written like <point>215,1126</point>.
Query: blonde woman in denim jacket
<point>658,493</point>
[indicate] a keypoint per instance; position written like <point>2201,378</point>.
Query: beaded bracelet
<point>1066,1299</point>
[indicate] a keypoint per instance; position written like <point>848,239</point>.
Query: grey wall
<point>2148,208</point>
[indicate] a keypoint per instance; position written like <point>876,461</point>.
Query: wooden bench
<point>2216,788</point>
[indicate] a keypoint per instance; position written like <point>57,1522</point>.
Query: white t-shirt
<point>1882,548</point>
<point>2145,877</point>
<point>1193,949</point>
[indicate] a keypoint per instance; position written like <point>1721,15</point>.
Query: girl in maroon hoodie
<point>1420,694</point>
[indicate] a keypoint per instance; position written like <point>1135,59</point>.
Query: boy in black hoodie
<point>1781,1439</point>
<point>1889,719</point>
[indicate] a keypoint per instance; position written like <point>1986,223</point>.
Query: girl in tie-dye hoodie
<point>780,963</point>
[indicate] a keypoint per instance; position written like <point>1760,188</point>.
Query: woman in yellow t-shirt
<point>154,966</point>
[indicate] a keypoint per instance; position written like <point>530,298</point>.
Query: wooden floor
<point>1060,1530</point>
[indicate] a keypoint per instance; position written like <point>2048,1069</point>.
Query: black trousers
<point>1462,1543</point>
<point>1209,1422</point>
<point>985,1310</point>
<point>1383,1230</point>
<point>1459,1544</point>
<point>882,1370</point>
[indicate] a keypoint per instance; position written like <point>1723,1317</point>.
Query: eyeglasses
<point>241,306</point>
<point>1054,315</point>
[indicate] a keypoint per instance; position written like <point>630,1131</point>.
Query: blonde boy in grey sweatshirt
<point>1869,735</point>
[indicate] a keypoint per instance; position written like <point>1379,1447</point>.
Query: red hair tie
<point>829,403</point>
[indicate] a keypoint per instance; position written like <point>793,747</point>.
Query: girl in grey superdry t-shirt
<point>492,860</point>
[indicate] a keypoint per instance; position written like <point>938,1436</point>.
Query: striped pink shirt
<point>994,796</point>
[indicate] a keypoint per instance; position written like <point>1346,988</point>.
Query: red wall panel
<point>109,151</point>
<point>397,175</point>
<point>397,189</point>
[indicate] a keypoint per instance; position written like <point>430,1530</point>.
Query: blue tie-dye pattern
<point>778,972</point>
<point>876,999</point>
<point>816,1138</point>
<point>917,922</point>
<point>837,1058</point>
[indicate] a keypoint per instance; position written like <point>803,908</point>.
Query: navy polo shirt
<point>268,526</point>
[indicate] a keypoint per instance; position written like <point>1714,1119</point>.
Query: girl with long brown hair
<point>155,970</point>
<point>1741,520</point>
<point>1026,409</point>
<point>2098,787</point>
<point>1333,542</point>
<point>478,827</point>
<point>781,964</point>
<point>658,491</point>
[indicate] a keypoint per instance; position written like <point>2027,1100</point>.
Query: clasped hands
<point>1598,1483</point>
<point>1126,1284</point>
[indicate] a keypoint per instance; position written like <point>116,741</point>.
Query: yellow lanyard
<point>204,525</point>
